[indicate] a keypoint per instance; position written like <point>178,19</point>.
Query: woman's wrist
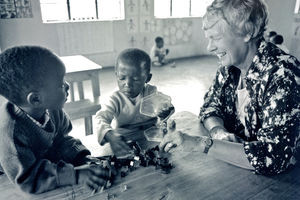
<point>216,131</point>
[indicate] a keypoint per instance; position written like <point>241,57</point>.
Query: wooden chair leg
<point>88,123</point>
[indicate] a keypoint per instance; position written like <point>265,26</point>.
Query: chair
<point>83,108</point>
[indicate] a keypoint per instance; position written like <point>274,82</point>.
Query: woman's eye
<point>121,78</point>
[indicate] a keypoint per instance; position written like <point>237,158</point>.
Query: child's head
<point>33,77</point>
<point>277,39</point>
<point>133,71</point>
<point>159,41</point>
<point>270,34</point>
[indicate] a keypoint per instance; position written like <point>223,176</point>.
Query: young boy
<point>36,152</point>
<point>158,52</point>
<point>132,70</point>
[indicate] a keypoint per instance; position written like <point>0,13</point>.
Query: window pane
<point>82,9</point>
<point>181,8</point>
<point>54,10</point>
<point>162,8</point>
<point>198,7</point>
<point>110,9</point>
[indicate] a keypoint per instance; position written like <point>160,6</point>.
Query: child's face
<point>160,44</point>
<point>55,91</point>
<point>131,79</point>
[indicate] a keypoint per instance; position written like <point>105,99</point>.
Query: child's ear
<point>149,77</point>
<point>34,99</point>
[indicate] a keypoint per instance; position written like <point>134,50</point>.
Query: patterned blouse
<point>272,142</point>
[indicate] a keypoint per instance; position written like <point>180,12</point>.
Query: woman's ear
<point>149,77</point>
<point>247,38</point>
<point>34,99</point>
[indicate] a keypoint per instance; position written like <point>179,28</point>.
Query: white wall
<point>101,41</point>
<point>283,20</point>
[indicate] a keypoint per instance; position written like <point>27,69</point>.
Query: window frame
<point>174,17</point>
<point>70,20</point>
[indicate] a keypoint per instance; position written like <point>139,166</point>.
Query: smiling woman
<point>252,108</point>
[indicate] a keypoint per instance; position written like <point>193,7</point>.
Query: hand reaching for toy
<point>171,141</point>
<point>165,112</point>
<point>92,176</point>
<point>117,143</point>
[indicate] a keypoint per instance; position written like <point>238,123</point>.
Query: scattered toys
<point>122,166</point>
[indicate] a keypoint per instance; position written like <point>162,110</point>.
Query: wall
<point>102,41</point>
<point>283,20</point>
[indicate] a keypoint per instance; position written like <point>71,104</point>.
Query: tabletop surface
<point>194,176</point>
<point>78,63</point>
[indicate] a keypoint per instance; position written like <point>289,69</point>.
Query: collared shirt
<point>46,118</point>
<point>272,114</point>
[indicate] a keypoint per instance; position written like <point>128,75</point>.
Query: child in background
<point>158,52</point>
<point>122,110</point>
<point>269,35</point>
<point>278,41</point>
<point>36,152</point>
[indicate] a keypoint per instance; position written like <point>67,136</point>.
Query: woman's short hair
<point>243,16</point>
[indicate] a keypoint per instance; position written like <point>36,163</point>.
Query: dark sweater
<point>36,159</point>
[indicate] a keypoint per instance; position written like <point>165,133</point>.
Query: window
<point>81,10</point>
<point>180,8</point>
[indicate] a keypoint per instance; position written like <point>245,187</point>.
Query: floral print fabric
<point>273,113</point>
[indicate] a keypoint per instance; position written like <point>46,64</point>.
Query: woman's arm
<point>226,151</point>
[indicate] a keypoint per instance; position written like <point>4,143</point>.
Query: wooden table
<point>78,70</point>
<point>195,176</point>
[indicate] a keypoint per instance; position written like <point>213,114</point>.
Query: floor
<point>186,83</point>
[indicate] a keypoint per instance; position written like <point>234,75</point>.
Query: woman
<point>252,108</point>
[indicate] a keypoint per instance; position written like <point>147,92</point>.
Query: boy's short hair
<point>277,39</point>
<point>135,57</point>
<point>22,70</point>
<point>272,33</point>
<point>159,39</point>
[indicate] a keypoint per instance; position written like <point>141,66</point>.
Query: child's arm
<point>67,148</point>
<point>105,132</point>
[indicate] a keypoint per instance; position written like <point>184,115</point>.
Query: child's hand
<point>92,176</point>
<point>165,112</point>
<point>117,144</point>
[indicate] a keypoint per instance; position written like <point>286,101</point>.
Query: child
<point>278,41</point>
<point>132,70</point>
<point>36,152</point>
<point>158,52</point>
<point>269,35</point>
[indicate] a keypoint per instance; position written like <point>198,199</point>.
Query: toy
<point>157,105</point>
<point>122,166</point>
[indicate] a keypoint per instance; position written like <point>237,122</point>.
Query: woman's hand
<point>221,133</point>
<point>93,177</point>
<point>171,141</point>
<point>117,143</point>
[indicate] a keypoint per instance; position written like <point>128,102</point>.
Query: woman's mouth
<point>221,55</point>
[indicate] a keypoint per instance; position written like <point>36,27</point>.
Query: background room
<point>99,30</point>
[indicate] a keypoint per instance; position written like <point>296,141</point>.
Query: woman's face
<point>230,48</point>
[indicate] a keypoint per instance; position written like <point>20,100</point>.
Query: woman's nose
<point>211,46</point>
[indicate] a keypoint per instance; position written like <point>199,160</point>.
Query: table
<point>195,176</point>
<point>78,70</point>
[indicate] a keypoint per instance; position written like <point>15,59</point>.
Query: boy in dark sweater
<point>36,152</point>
